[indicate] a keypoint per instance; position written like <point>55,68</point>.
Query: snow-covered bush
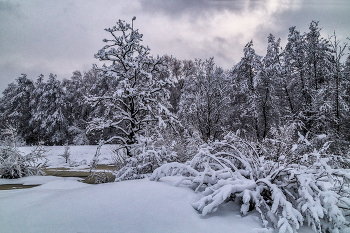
<point>14,165</point>
<point>287,192</point>
<point>183,142</point>
<point>78,135</point>
<point>101,177</point>
<point>145,161</point>
<point>10,137</point>
<point>66,154</point>
<point>149,154</point>
<point>287,143</point>
<point>186,145</point>
<point>118,157</point>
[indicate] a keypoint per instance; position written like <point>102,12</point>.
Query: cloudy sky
<point>50,36</point>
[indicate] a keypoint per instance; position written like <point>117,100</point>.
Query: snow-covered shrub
<point>287,143</point>
<point>183,142</point>
<point>101,177</point>
<point>143,164</point>
<point>279,143</point>
<point>287,192</point>
<point>186,145</point>
<point>147,157</point>
<point>66,154</point>
<point>14,165</point>
<point>118,157</point>
<point>78,135</point>
<point>10,137</point>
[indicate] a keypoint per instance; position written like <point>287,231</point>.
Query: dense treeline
<point>306,84</point>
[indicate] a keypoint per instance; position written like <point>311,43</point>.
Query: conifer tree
<point>16,107</point>
<point>51,112</point>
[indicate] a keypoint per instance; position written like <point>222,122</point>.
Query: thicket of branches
<point>13,163</point>
<point>302,184</point>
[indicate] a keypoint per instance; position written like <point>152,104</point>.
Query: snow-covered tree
<point>245,104</point>
<point>346,97</point>
<point>66,154</point>
<point>296,85</point>
<point>76,88</point>
<point>16,107</point>
<point>38,131</point>
<point>339,86</point>
<point>50,112</point>
<point>179,71</point>
<point>138,103</point>
<point>308,75</point>
<point>204,100</point>
<point>14,164</point>
<point>268,84</point>
<point>318,56</point>
<point>319,72</point>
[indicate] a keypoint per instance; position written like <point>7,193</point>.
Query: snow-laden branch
<point>285,194</point>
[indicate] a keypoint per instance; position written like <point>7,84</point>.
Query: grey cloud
<point>43,36</point>
<point>332,15</point>
<point>52,36</point>
<point>9,7</point>
<point>197,8</point>
<point>225,51</point>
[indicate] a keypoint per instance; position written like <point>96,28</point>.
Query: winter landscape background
<point>143,142</point>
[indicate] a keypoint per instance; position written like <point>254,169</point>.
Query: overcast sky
<point>50,36</point>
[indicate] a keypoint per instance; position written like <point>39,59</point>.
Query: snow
<point>321,136</point>
<point>63,204</point>
<point>33,180</point>
<point>79,155</point>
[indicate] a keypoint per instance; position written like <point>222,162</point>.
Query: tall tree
<point>16,107</point>
<point>139,101</point>
<point>297,88</point>
<point>268,81</point>
<point>51,112</point>
<point>178,71</point>
<point>340,85</point>
<point>319,72</point>
<point>35,121</point>
<point>244,76</point>
<point>205,99</point>
<point>75,90</point>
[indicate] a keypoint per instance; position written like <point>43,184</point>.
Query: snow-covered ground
<point>67,205</point>
<point>79,155</point>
